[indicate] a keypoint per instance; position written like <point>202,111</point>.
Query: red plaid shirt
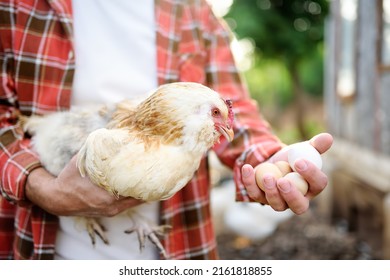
<point>37,67</point>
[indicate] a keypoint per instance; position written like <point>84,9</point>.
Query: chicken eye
<point>215,112</point>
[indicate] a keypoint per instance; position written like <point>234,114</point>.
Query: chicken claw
<point>94,228</point>
<point>152,232</point>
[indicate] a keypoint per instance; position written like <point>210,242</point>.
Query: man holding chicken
<point>60,54</point>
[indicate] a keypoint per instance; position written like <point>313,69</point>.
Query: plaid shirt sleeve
<point>37,66</point>
<point>16,161</point>
<point>16,158</point>
<point>254,141</point>
<point>31,57</point>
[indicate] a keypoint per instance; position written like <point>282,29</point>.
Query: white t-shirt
<point>115,50</point>
<point>115,59</point>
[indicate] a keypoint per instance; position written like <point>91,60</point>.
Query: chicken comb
<point>229,104</point>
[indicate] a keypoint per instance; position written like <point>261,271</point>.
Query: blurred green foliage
<point>269,82</point>
<point>312,71</point>
<point>285,29</point>
<point>288,39</point>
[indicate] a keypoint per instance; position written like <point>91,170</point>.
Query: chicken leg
<point>95,228</point>
<point>144,229</point>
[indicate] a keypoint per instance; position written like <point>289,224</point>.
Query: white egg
<point>306,151</point>
<point>298,181</point>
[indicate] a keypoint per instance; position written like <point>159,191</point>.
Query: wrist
<point>36,189</point>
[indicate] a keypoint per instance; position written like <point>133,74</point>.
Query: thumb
<point>322,142</point>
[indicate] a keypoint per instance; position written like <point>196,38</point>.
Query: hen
<point>147,150</point>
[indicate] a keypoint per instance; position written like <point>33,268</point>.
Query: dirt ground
<point>305,237</point>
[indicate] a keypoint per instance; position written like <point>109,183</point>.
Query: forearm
<point>69,194</point>
<point>40,189</point>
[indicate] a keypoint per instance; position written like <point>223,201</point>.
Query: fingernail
<point>301,165</point>
<point>284,186</point>
<point>268,181</point>
<point>246,172</point>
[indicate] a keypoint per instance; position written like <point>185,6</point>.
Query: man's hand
<point>69,194</point>
<point>280,194</point>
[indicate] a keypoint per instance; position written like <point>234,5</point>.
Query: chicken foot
<point>152,232</point>
<point>95,228</point>
<point>143,228</point>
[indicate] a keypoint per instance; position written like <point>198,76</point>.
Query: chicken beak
<point>227,132</point>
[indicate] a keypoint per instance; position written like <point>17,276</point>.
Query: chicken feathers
<point>147,150</point>
<point>154,150</point>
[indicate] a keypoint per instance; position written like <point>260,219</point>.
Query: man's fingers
<point>249,181</point>
<point>316,179</point>
<point>292,196</point>
<point>322,142</point>
<point>272,194</point>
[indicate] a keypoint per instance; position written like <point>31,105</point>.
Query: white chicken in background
<point>247,219</point>
<point>148,151</point>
